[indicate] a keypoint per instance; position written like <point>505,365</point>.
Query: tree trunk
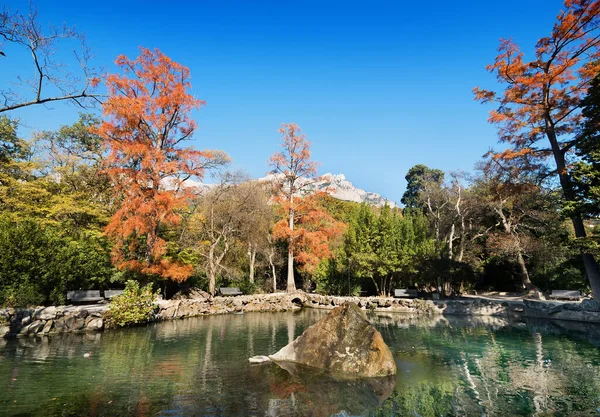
<point>463,238</point>
<point>252,260</point>
<point>376,286</point>
<point>525,281</point>
<point>271,256</point>
<point>589,262</point>
<point>211,275</point>
<point>291,284</point>
<point>451,242</point>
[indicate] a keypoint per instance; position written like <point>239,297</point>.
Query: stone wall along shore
<point>47,320</point>
<point>51,320</point>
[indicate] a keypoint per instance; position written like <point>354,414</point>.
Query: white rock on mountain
<point>339,187</point>
<point>336,185</point>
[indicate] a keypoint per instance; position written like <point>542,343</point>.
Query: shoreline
<point>87,318</point>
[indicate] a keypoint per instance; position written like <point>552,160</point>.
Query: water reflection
<point>310,392</point>
<point>447,366</point>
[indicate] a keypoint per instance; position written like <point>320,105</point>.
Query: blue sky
<point>377,86</point>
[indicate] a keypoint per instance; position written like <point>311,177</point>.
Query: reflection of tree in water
<point>493,372</point>
<point>447,366</point>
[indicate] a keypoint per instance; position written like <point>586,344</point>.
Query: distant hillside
<point>334,184</point>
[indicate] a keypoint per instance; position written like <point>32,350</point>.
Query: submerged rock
<point>343,343</point>
<point>313,392</point>
<point>259,359</point>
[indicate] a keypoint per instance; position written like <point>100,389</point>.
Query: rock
<point>23,331</point>
<point>259,359</point>
<point>72,323</point>
<point>327,395</point>
<point>80,313</point>
<point>25,321</point>
<point>48,326</point>
<point>48,313</point>
<point>192,294</point>
<point>60,325</point>
<point>78,324</point>
<point>4,330</point>
<point>343,343</point>
<point>95,324</point>
<point>169,312</point>
<point>36,327</point>
<point>237,302</point>
<point>184,310</point>
<point>590,305</point>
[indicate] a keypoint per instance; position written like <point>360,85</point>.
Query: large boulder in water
<point>343,343</point>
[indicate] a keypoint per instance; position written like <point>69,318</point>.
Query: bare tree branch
<point>51,80</point>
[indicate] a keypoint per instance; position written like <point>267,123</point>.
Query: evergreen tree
<point>415,179</point>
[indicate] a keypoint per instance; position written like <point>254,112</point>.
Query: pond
<point>447,366</point>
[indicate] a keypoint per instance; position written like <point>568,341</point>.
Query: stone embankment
<point>49,320</point>
<point>202,306</point>
<point>588,311</point>
<point>475,307</point>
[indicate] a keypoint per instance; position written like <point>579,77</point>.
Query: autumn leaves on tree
<point>146,121</point>
<point>305,225</point>
<point>538,112</point>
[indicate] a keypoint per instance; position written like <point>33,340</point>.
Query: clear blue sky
<point>377,86</point>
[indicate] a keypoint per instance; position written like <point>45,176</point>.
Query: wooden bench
<point>90,296</point>
<point>108,294</point>
<point>404,293</point>
<point>565,294</point>
<point>225,291</point>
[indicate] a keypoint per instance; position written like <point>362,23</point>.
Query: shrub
<point>248,287</point>
<point>134,306</point>
<point>21,295</point>
<point>38,265</point>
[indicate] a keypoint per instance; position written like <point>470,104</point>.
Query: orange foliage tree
<point>146,118</point>
<point>305,225</point>
<point>538,112</point>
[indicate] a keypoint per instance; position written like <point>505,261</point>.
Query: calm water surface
<point>198,367</point>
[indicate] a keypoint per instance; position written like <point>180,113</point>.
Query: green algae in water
<point>199,367</point>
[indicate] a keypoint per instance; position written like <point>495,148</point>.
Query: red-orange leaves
<point>542,95</point>
<point>314,230</point>
<point>305,226</point>
<point>146,120</point>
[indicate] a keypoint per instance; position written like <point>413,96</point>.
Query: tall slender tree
<point>146,120</point>
<point>295,174</point>
<point>539,110</point>
<point>292,165</point>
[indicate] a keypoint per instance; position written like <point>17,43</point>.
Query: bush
<point>134,306</point>
<point>330,279</point>
<point>38,265</point>
<point>21,295</point>
<point>248,287</point>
